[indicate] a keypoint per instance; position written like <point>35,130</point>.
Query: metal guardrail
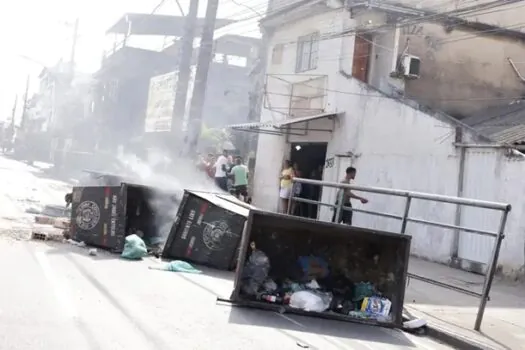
<point>405,219</point>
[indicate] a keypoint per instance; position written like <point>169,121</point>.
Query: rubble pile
<point>52,223</point>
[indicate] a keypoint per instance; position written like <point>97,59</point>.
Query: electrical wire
<point>177,2</point>
<point>329,36</point>
<point>439,42</point>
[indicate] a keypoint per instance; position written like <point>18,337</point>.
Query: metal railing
<point>405,219</point>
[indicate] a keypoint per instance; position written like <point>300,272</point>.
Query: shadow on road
<point>326,329</point>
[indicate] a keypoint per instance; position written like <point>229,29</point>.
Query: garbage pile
<point>314,286</point>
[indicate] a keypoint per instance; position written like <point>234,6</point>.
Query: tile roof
<point>503,123</point>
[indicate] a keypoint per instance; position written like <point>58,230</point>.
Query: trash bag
<point>309,300</point>
<point>134,248</point>
<point>255,272</point>
<point>313,267</point>
<point>177,266</point>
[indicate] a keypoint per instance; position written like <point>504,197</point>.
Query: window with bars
<point>307,52</point>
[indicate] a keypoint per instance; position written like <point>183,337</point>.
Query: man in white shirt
<point>221,171</point>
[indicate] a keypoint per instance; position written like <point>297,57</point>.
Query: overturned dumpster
<point>207,230</point>
<point>102,216</point>
<point>320,269</point>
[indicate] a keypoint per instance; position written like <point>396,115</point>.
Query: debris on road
<point>44,220</point>
<point>134,248</point>
<point>177,266</point>
<point>78,244</point>
<point>46,233</point>
<point>92,252</point>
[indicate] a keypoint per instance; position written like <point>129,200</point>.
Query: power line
<point>380,95</point>
<point>418,20</point>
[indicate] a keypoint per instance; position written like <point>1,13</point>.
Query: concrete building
<point>319,111</point>
<point>458,74</point>
<point>120,95</point>
<point>227,99</point>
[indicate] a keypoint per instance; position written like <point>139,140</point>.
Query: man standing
<point>345,216</point>
<point>221,168</point>
<point>240,179</point>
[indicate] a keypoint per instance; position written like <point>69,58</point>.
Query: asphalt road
<point>55,296</point>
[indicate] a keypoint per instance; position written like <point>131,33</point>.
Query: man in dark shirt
<point>345,216</point>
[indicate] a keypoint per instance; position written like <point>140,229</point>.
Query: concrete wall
<point>458,73</point>
<point>394,146</point>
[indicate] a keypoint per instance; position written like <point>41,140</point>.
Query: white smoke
<point>169,176</point>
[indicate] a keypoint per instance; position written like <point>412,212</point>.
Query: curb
<point>454,340</point>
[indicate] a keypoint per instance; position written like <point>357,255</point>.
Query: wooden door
<point>362,50</point>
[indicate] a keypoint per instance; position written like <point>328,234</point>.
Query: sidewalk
<point>452,313</point>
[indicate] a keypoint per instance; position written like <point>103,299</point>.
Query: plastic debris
<point>177,266</point>
<point>309,300</point>
<point>92,252</point>
<point>255,272</point>
<point>134,248</point>
<point>78,244</point>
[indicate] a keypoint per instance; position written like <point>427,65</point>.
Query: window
<point>277,54</point>
<point>307,52</point>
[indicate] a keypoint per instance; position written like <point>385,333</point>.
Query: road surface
<point>25,188</point>
<point>54,296</point>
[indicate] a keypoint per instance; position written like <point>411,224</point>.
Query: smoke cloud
<point>170,176</point>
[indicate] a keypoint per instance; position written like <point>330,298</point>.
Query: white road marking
<point>332,339</point>
<point>297,323</point>
<point>59,287</point>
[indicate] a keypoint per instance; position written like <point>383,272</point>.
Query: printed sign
<point>215,233</point>
<point>161,97</point>
<point>87,215</point>
<point>113,215</point>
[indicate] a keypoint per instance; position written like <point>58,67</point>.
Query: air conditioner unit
<point>410,66</point>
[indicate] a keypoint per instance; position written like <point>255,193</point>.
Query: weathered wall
<point>394,146</point>
<point>461,71</point>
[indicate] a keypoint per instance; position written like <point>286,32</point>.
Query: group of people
<point>229,175</point>
<point>289,188</point>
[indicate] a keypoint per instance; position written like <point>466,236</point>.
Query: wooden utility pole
<point>201,77</point>
<point>73,49</point>
<point>24,106</point>
<point>13,112</point>
<point>184,68</point>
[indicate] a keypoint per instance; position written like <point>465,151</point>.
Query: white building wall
<point>394,146</point>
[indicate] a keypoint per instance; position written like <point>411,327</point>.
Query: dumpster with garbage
<point>207,230</point>
<point>103,216</point>
<point>314,268</point>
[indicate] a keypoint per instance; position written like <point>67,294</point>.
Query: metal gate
<point>497,236</point>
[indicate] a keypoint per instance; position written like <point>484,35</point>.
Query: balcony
<point>295,95</point>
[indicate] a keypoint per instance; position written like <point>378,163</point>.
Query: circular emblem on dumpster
<point>214,234</point>
<point>88,215</point>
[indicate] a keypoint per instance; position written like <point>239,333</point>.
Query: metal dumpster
<point>207,229</point>
<point>356,256</point>
<point>103,216</point>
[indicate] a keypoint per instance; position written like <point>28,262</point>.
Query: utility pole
<point>24,106</point>
<point>73,49</point>
<point>201,76</point>
<point>184,68</point>
<point>13,112</point>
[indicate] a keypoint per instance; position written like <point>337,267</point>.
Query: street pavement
<point>55,296</point>
<point>25,188</point>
